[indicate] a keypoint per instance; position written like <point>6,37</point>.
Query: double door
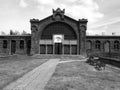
<point>58,48</point>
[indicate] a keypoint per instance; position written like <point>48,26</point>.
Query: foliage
<point>14,32</point>
<point>24,32</point>
<point>2,33</point>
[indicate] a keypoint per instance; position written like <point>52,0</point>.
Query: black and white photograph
<point>59,45</point>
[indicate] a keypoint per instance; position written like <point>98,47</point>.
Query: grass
<point>80,76</point>
<point>61,57</point>
<point>14,67</point>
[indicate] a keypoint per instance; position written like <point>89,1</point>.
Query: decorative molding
<point>83,27</point>
<point>58,14</point>
<point>34,28</point>
<point>83,20</point>
<point>34,20</point>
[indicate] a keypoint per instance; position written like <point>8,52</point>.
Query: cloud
<point>23,4</point>
<point>87,9</point>
<point>108,22</point>
<point>99,31</point>
<point>45,1</point>
<point>74,8</point>
<point>108,26</point>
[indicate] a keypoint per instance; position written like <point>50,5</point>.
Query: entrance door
<point>13,47</point>
<point>107,47</point>
<point>57,39</point>
<point>58,48</point>
<point>28,46</point>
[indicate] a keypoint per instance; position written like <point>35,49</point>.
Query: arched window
<point>21,44</point>
<point>59,28</point>
<point>116,45</point>
<point>97,45</point>
<point>107,46</point>
<point>5,43</point>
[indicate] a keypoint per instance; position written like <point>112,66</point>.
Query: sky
<point>103,15</point>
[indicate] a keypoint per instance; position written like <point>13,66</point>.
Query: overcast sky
<point>102,15</point>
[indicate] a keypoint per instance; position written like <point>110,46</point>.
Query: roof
<point>100,36</point>
<point>15,35</point>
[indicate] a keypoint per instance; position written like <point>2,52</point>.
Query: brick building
<point>59,34</point>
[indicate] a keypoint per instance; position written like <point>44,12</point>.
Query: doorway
<point>28,47</point>
<point>58,48</point>
<point>13,46</point>
<point>107,47</point>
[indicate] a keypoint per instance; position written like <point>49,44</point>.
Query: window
<point>116,44</point>
<point>59,28</point>
<point>89,45</point>
<point>97,44</point>
<point>21,44</point>
<point>107,46</point>
<point>4,43</point>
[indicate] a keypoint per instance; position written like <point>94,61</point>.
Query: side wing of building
<point>102,44</point>
<point>15,44</point>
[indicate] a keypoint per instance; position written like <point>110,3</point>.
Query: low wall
<point>111,61</point>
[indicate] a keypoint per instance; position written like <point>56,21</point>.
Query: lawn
<point>81,76</point>
<point>61,57</point>
<point>12,68</point>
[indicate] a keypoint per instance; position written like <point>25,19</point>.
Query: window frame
<point>116,45</point>
<point>22,44</point>
<point>97,45</point>
<point>5,44</point>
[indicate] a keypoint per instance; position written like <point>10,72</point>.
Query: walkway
<point>36,79</point>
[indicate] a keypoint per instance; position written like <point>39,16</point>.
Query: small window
<point>116,45</point>
<point>97,44</point>
<point>21,44</point>
<point>4,43</point>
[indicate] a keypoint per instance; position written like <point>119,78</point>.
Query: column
<point>46,48</point>
<point>63,49</point>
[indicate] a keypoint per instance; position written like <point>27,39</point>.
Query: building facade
<point>72,34</point>
<point>59,34</point>
<point>15,44</point>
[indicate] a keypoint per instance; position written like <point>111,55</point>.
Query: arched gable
<point>58,28</point>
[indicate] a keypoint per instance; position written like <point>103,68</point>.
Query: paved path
<point>36,79</point>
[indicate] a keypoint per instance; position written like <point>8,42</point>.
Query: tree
<point>3,33</point>
<point>24,33</point>
<point>11,32</point>
<point>14,32</point>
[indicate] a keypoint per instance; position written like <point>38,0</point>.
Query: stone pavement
<point>36,79</point>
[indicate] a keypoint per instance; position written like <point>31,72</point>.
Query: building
<point>59,34</point>
<point>15,44</point>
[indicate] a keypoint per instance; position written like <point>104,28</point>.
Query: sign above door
<point>58,38</point>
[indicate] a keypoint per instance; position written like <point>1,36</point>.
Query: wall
<point>13,44</point>
<point>107,44</point>
<point>90,44</point>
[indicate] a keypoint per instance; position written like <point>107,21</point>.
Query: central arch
<point>59,28</point>
<point>67,46</point>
